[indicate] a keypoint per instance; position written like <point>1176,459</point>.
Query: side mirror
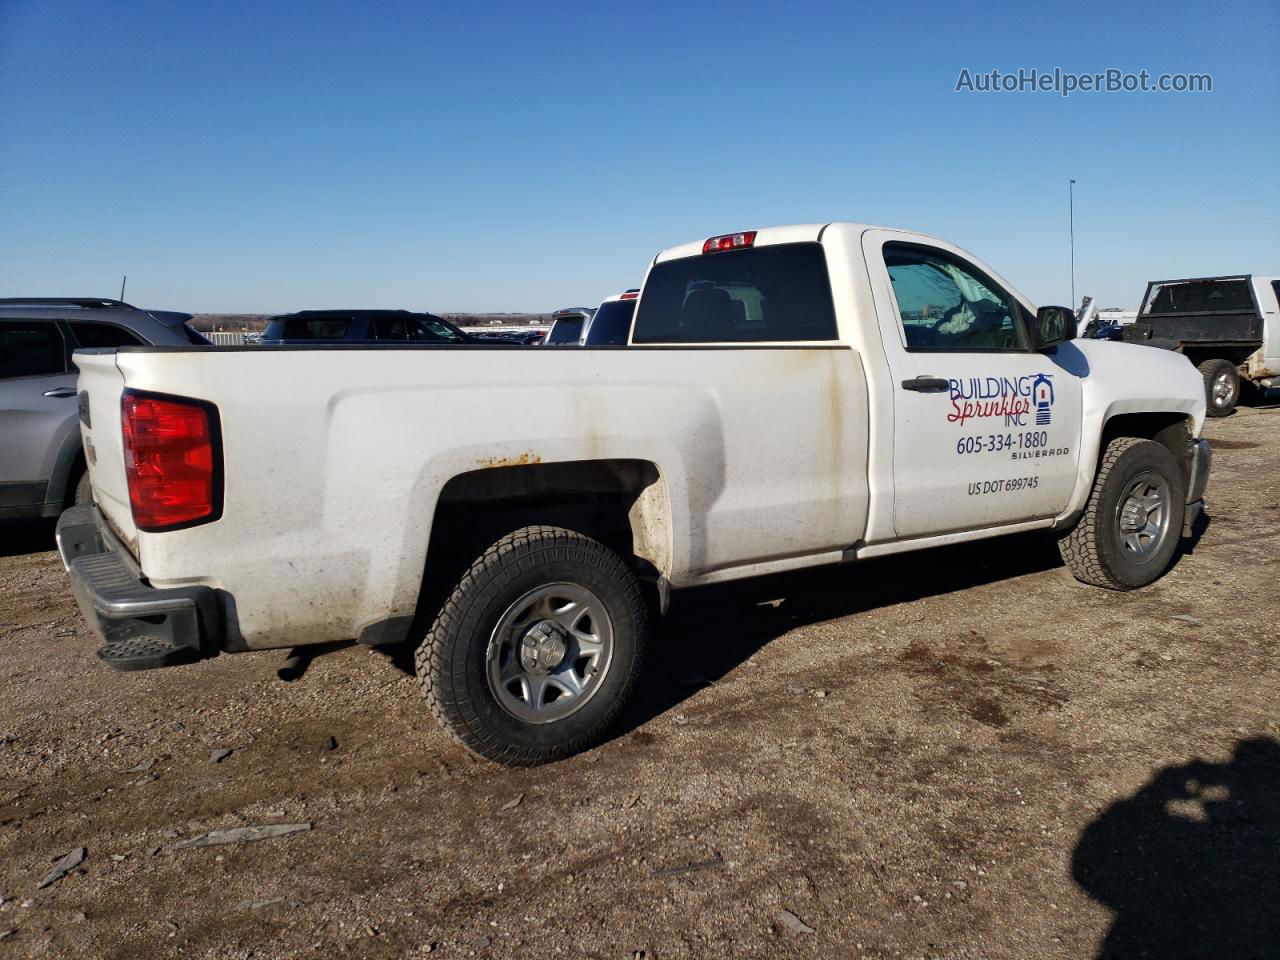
<point>1054,325</point>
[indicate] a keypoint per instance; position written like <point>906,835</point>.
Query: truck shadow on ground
<point>710,631</point>
<point>1190,864</point>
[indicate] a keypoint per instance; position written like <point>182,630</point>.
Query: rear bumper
<point>142,627</point>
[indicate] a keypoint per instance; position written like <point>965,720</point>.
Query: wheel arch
<point>68,464</point>
<point>623,503</point>
<point>1173,429</point>
<point>1235,354</point>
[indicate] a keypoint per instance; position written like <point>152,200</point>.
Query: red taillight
<point>171,461</point>
<point>730,241</point>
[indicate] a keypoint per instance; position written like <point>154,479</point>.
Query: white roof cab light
<point>730,241</point>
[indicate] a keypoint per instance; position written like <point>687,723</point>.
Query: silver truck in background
<point>42,462</point>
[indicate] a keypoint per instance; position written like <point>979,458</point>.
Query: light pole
<point>1071,227</point>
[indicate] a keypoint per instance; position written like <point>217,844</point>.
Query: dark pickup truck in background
<point>373,326</point>
<point>1229,327</point>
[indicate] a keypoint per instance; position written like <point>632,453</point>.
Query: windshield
<point>565,330</point>
<point>611,323</point>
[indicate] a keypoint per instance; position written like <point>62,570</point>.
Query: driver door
<point>985,430</point>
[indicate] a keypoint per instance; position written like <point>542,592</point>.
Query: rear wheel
<point>537,649</point>
<point>1221,386</point>
<point>1131,525</point>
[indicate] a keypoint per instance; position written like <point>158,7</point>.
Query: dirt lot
<point>960,754</point>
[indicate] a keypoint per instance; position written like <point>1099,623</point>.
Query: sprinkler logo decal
<point>1012,398</point>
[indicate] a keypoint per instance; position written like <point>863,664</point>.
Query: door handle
<point>61,392</point>
<point>927,384</point>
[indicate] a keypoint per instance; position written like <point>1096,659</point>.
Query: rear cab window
<point>565,330</point>
<point>610,324</point>
<point>1230,295</point>
<point>31,348</point>
<point>768,294</point>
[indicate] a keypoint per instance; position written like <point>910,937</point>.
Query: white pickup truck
<point>788,397</point>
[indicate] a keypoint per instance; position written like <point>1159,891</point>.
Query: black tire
<point>1095,549</point>
<point>1225,403</point>
<point>453,659</point>
<point>84,492</point>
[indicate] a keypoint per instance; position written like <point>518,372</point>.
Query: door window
<point>102,335</point>
<point>307,328</point>
<point>30,348</point>
<point>391,327</point>
<point>430,330</point>
<point>945,304</point>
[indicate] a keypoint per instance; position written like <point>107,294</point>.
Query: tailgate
<point>100,386</point>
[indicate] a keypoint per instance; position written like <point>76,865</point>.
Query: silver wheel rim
<point>1142,518</point>
<point>550,652</point>
<point>1222,389</point>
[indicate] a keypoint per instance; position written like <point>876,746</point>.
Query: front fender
<point>1125,379</point>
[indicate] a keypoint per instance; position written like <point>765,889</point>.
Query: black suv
<point>369,326</point>
<point>42,465</point>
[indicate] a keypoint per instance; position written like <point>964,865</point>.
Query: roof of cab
<point>795,233</point>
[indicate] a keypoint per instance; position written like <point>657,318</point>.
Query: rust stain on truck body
<point>519,460</point>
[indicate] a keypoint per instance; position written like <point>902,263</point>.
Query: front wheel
<point>1221,386</point>
<point>537,649</point>
<point>1131,525</point>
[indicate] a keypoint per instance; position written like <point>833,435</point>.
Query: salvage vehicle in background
<point>566,326</point>
<point>526,338</point>
<point>791,397</point>
<point>42,462</point>
<point>610,325</point>
<point>1229,327</point>
<point>370,326</point>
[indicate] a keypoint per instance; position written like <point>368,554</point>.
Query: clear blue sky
<point>273,156</point>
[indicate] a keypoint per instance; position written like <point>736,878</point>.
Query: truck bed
<point>332,452</point>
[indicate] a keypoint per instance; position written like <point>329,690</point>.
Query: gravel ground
<point>958,754</point>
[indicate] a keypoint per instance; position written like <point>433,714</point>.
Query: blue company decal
<point>1042,394</point>
<point>1009,397</point>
